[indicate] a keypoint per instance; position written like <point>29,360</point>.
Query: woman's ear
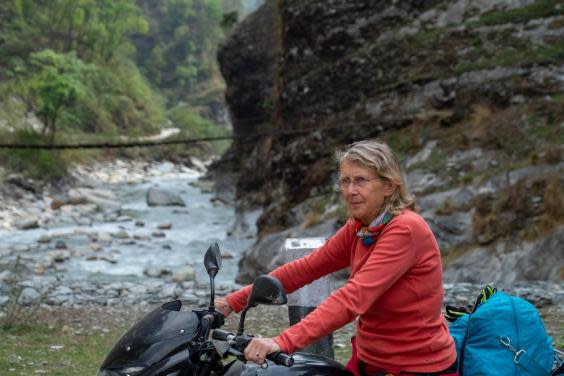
<point>390,188</point>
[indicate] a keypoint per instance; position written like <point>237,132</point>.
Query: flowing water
<point>137,248</point>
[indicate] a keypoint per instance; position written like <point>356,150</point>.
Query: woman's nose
<point>351,189</point>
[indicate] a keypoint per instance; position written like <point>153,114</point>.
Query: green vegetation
<point>193,125</point>
<point>54,349</point>
<point>538,9</point>
<point>37,163</point>
<point>495,215</point>
<point>508,54</point>
<point>47,346</point>
<point>459,51</point>
<point>180,51</point>
<point>93,70</point>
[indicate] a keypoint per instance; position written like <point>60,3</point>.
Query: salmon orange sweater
<point>395,290</point>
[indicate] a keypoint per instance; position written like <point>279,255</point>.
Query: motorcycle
<point>170,341</point>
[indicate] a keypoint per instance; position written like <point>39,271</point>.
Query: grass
<point>511,51</point>
<point>484,50</point>
<point>538,9</point>
<point>75,342</point>
<point>53,350</point>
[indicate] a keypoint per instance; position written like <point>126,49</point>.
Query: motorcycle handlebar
<point>240,343</point>
<point>281,359</point>
<point>222,335</point>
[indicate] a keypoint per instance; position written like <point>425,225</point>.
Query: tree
<point>55,85</point>
<point>185,35</point>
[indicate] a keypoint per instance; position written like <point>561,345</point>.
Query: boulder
<point>185,273</point>
<point>451,230</point>
<point>422,155</point>
<point>29,296</point>
<point>27,224</point>
<point>420,181</point>
<point>509,262</point>
<point>267,253</point>
<point>103,199</point>
<point>56,204</point>
<point>161,197</point>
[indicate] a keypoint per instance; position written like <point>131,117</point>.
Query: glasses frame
<point>357,182</point>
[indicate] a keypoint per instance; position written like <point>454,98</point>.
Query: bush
<point>193,125</point>
<point>37,163</point>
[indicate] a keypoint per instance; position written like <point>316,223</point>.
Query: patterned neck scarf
<point>369,234</point>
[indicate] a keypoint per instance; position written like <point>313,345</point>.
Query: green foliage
<point>57,84</point>
<point>122,101</point>
<point>511,51</point>
<point>42,164</point>
<point>538,9</point>
<point>69,62</point>
<point>193,125</point>
<point>97,30</point>
<point>229,19</point>
<point>83,97</point>
<point>180,51</point>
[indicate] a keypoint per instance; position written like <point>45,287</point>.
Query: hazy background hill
<point>92,71</point>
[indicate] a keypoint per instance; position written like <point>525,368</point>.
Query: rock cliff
<point>470,94</point>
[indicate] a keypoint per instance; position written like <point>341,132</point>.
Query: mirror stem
<point>242,321</point>
<point>212,285</point>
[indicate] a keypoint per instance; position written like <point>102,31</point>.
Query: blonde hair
<point>377,155</point>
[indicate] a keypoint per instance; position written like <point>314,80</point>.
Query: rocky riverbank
<point>125,232</point>
<point>64,231</point>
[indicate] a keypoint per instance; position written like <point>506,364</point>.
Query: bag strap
<point>559,364</point>
<point>523,359</point>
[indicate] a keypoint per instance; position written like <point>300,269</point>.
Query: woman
<point>395,286</point>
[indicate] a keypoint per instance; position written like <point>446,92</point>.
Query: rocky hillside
<point>470,94</point>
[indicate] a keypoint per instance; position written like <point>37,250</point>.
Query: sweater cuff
<point>284,346</point>
<point>238,300</point>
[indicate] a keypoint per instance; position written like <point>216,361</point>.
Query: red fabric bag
<point>352,364</point>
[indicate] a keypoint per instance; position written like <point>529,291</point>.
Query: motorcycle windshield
<point>160,334</point>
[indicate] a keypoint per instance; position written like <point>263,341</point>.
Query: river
<point>93,250</point>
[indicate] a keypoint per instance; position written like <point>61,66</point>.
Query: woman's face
<point>363,190</point>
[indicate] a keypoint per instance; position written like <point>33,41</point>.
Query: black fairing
<point>159,339</point>
<point>304,365</point>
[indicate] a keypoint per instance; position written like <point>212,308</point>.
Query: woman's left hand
<point>259,348</point>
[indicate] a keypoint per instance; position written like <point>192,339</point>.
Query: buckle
<point>516,358</point>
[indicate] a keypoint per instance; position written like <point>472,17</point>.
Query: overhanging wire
<point>187,141</point>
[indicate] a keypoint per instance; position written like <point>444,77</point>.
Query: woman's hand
<point>223,306</point>
<point>259,348</point>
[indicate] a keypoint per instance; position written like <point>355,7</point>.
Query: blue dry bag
<point>505,335</point>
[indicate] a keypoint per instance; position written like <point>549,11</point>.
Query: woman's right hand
<point>222,305</point>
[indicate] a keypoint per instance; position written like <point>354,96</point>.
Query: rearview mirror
<point>266,290</point>
<point>212,262</point>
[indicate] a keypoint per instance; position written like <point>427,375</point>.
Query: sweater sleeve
<point>330,257</point>
<point>388,261</point>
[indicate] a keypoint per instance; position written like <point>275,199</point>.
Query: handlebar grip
<point>281,359</point>
<point>222,335</point>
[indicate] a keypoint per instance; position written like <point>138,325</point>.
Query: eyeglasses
<point>358,182</point>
